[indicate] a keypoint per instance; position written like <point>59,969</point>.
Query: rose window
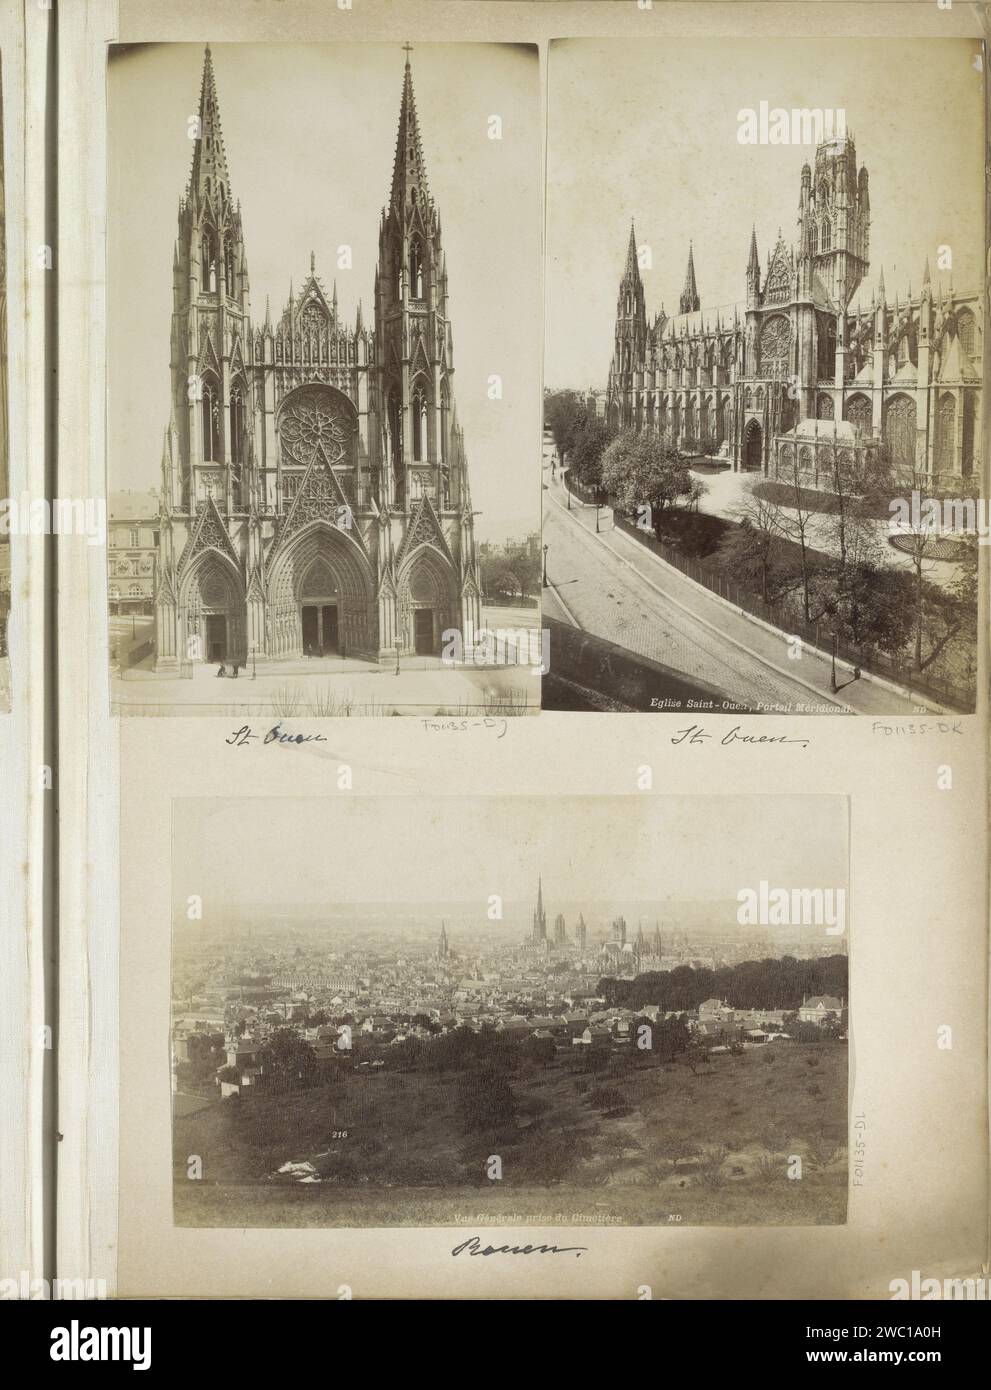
<point>775,345</point>
<point>314,424</point>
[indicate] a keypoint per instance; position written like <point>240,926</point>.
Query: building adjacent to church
<point>798,373</point>
<point>315,495</point>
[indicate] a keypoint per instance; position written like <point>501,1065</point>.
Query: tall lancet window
<point>211,423</point>
<point>445,420</point>
<point>395,430</point>
<point>237,424</point>
<point>208,281</point>
<point>827,236</point>
<point>415,269</point>
<point>419,424</point>
<point>814,239</point>
<point>230,280</point>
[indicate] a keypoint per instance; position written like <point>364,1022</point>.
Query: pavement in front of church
<point>334,687</point>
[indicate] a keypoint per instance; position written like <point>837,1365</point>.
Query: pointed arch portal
<point>427,600</point>
<point>321,597</point>
<point>753,448</point>
<point>211,604</point>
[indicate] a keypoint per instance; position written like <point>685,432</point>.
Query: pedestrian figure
<point>221,670</point>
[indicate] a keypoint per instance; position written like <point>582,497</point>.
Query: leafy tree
<point>754,551</point>
<point>868,605</point>
<point>288,1062</point>
<point>512,568</point>
<point>641,470</point>
<point>671,1037</point>
<point>523,560</point>
<point>587,450</point>
<point>496,572</point>
<point>564,416</point>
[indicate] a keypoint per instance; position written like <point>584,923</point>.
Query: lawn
<point>629,1144</point>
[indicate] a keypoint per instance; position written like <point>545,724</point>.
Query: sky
<point>649,131</point>
<point>634,849</point>
<point>310,134</point>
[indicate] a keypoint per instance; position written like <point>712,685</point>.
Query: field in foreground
<point>628,1143</point>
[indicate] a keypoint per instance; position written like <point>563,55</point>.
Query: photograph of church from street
<point>575,1037</point>
<point>727,487</point>
<point>327,513</point>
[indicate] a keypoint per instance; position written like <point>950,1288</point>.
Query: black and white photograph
<point>300,498</point>
<point>762,414</point>
<point>627,1011</point>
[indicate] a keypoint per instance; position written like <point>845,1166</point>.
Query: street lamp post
<point>833,684</point>
<point>254,648</point>
<point>545,568</point>
<point>596,511</point>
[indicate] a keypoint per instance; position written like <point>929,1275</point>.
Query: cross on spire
<point>407,49</point>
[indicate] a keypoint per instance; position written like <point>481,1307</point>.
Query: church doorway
<point>423,631</point>
<point>752,448</point>
<point>320,629</point>
<point>216,637</point>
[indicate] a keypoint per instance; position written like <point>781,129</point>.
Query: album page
<point>564,424</point>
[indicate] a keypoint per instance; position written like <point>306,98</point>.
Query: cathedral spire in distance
<point>689,302</point>
<point>632,262</point>
<point>409,172</point>
<point>540,916</point>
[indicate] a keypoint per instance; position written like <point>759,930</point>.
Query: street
<point>616,589</point>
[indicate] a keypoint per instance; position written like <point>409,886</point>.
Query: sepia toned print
<point>550,1029</point>
<point>764,459</point>
<point>322,528</point>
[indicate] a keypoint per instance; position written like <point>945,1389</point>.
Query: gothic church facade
<point>315,495</point>
<point>798,373</point>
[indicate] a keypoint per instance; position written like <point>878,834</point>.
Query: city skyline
<point>651,847</point>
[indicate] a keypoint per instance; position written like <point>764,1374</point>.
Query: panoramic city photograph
<point>762,439</point>
<point>299,501</point>
<point>620,1011</point>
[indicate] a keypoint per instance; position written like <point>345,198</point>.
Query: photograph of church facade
<point>802,365</point>
<point>314,490</point>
